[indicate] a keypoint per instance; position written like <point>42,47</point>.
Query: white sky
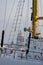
<point>25,17</point>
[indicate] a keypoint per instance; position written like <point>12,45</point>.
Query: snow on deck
<point>8,61</point>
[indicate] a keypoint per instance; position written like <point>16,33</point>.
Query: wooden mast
<point>34,12</point>
<point>34,17</point>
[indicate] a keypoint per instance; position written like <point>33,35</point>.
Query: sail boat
<point>30,54</point>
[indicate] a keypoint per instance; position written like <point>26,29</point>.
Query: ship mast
<point>34,17</point>
<point>34,14</point>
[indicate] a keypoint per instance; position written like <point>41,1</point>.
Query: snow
<point>12,61</point>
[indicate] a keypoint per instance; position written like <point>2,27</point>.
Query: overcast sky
<point>11,7</point>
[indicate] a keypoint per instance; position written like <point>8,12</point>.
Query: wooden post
<point>2,38</point>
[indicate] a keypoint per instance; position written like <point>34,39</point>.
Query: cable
<point>10,14</point>
<point>20,18</point>
<point>5,14</point>
<point>3,31</point>
<point>27,17</point>
<point>21,14</point>
<point>16,20</point>
<point>27,12</point>
<point>19,3</point>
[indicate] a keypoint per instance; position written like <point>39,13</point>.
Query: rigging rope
<point>3,31</point>
<point>10,15</point>
<point>5,14</point>
<point>20,18</point>
<point>27,14</point>
<point>16,20</point>
<point>17,12</point>
<point>21,14</point>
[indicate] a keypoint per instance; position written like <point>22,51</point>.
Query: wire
<point>19,3</point>
<point>10,15</point>
<point>27,13</point>
<point>21,14</point>
<point>5,13</point>
<point>17,19</point>
<point>20,18</point>
<point>27,17</point>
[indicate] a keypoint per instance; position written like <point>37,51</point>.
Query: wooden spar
<point>2,39</point>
